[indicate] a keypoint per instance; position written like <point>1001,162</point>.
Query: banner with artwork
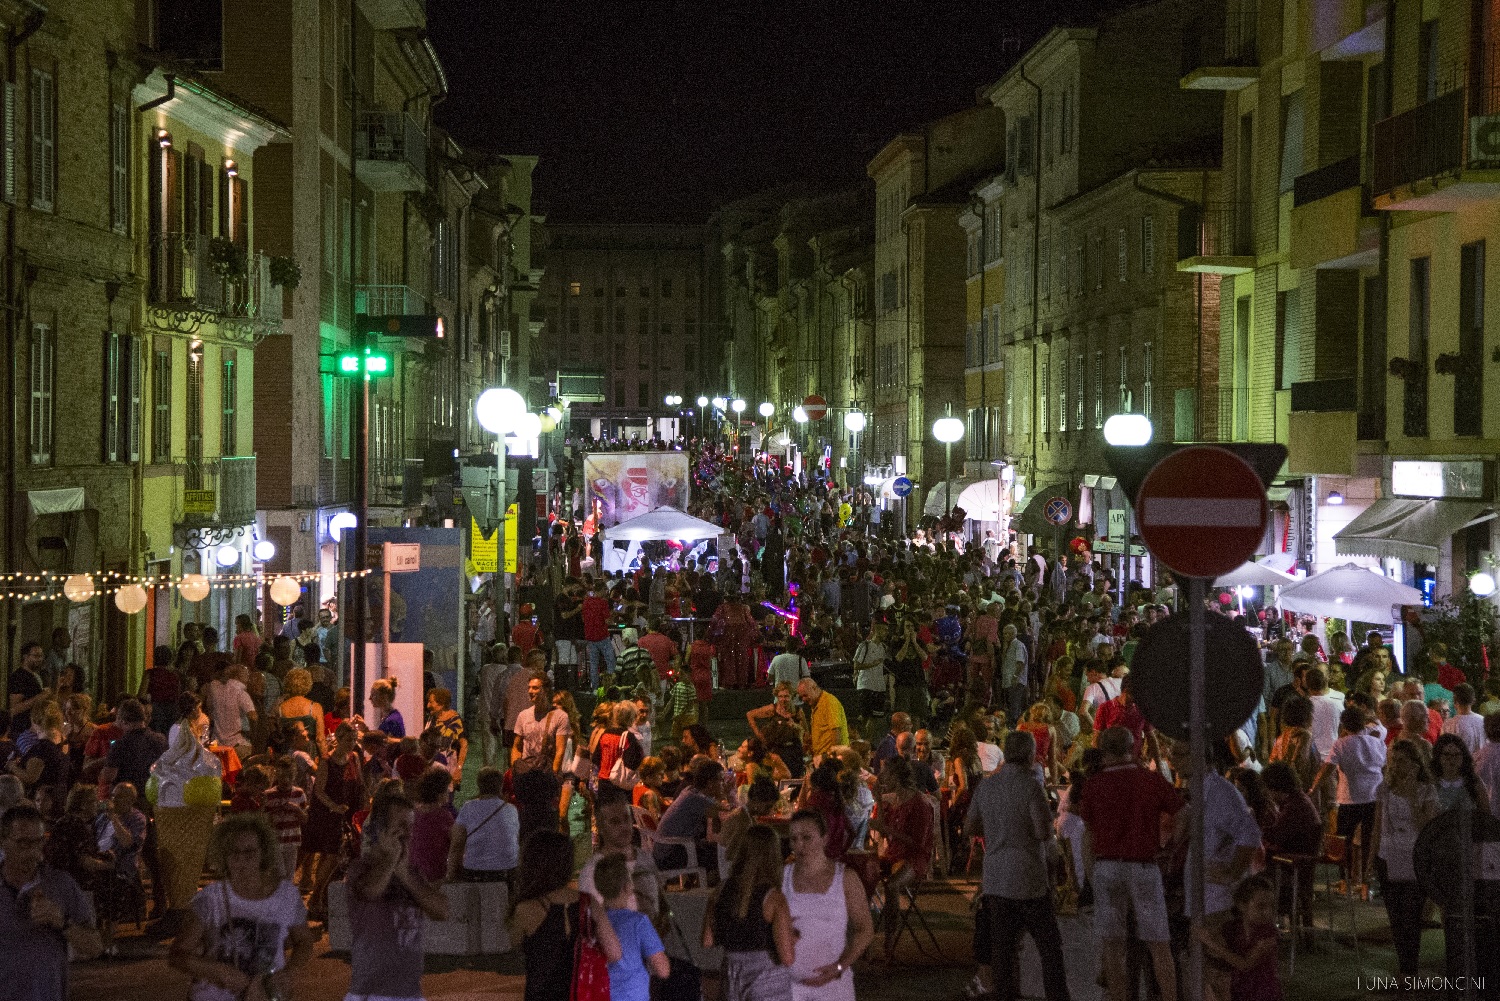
<point>625,485</point>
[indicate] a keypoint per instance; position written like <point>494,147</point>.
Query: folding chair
<point>904,918</point>
<point>692,867</point>
<point>1296,866</point>
<point>1335,854</point>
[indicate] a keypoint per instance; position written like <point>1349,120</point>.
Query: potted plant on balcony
<point>1405,368</point>
<point>286,273</point>
<point>1447,364</point>
<point>226,258</point>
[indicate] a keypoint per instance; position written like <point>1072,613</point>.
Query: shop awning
<point>1030,520</point>
<point>59,500</point>
<point>1411,530</point>
<point>981,500</point>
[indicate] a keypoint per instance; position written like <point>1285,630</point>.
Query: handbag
<point>620,773</point>
<point>590,968</point>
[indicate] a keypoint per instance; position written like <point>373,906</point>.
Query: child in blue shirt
<point>644,956</point>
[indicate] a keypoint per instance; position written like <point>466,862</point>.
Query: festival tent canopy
<point>945,495</point>
<point>664,523</point>
<point>1350,592</point>
<point>981,500</point>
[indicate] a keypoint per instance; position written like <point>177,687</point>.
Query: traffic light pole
<point>360,337</point>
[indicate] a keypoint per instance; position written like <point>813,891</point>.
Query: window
<point>195,402</point>
<point>1096,254</point>
<point>971,351</point>
<point>619,291</point>
<point>888,291</point>
<point>1078,391</point>
<point>1045,264</point>
<point>643,395</point>
<point>982,339</point>
<point>1065,122</point>
<point>598,321</point>
<point>1468,384</point>
<point>1098,389</point>
<point>666,288</point>
<point>119,169</point>
<point>161,405</point>
<point>690,356</point>
<point>8,138</point>
<point>1148,244</point>
<point>1062,392</point>
<point>1148,363</point>
<point>619,325</point>
<point>1427,61</point>
<point>330,230</point>
<point>575,288</point>
<point>1124,363</point>
<point>229,395</point>
<point>1122,262</point>
<point>1025,143</point>
<point>43,141</point>
<point>122,399</point>
<point>1288,339</point>
<point>1419,317</point>
<point>1044,398</point>
<point>43,361</point>
<point>1010,407</point>
<point>1291,140</point>
<point>574,321</point>
<point>346,230</point>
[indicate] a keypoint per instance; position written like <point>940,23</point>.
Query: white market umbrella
<point>1350,592</point>
<point>664,523</point>
<point>1254,574</point>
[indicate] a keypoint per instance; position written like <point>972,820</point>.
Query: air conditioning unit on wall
<point>1484,138</point>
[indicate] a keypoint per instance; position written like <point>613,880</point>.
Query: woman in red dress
<point>734,635</point>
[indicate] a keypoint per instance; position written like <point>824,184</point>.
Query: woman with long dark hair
<point>748,916</point>
<point>1403,806</point>
<point>545,920</point>
<point>830,913</point>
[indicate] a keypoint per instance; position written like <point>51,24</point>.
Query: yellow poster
<point>484,553</point>
<point>511,524</point>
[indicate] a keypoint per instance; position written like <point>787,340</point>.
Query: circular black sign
<point>1160,683</point>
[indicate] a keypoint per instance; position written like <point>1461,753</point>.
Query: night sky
<point>659,111</point>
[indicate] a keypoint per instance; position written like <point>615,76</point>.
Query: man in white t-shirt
<point>1465,722</point>
<point>790,667</point>
<point>1328,706</point>
<point>869,673</point>
<point>541,731</point>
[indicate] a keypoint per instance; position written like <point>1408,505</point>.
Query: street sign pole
<point>1198,747</point>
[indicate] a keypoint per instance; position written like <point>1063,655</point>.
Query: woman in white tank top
<point>829,911</point>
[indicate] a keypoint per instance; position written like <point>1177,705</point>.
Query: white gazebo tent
<point>1254,574</point>
<point>665,524</point>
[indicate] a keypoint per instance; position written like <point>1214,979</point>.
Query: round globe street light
<point>1482,584</point>
<point>341,521</point>
<point>799,415</point>
<point>702,402</point>
<point>767,409</point>
<point>854,422</point>
<point>738,406</point>
<point>265,550</point>
<point>948,430</point>
<point>1128,430</point>
<point>498,409</point>
<point>720,403</point>
<point>528,426</point>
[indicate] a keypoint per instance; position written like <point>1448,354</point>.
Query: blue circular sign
<point>901,486</point>
<point>1058,511</point>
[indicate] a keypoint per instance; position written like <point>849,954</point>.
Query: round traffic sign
<point>901,486</point>
<point>816,407</point>
<point>1202,511</point>
<point>1160,682</point>
<point>1057,511</point>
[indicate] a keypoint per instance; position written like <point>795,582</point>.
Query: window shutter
<point>43,141</point>
<point>132,370</point>
<point>119,175</point>
<point>111,397</point>
<point>8,136</point>
<point>1148,244</point>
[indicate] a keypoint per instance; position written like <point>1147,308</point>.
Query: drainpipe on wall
<point>1036,247</point>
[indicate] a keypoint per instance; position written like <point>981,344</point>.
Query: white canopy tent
<point>1350,592</point>
<point>664,523</point>
<point>981,501</point>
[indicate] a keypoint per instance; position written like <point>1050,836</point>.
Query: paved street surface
<point>1327,971</point>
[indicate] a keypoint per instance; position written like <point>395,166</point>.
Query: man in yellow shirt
<point>829,727</point>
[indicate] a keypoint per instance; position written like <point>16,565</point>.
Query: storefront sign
<point>199,501</point>
<point>1117,548</point>
<point>1116,524</point>
<point>1437,479</point>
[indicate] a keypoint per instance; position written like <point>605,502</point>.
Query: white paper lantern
<point>285,590</point>
<point>131,599</point>
<point>194,587</point>
<point>79,587</point>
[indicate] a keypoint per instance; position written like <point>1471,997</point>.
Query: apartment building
<point>923,180</point>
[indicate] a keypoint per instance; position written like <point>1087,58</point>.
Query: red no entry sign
<point>816,407</point>
<point>1202,511</point>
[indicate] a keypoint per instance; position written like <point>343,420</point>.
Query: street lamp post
<point>499,411</point>
<point>948,430</point>
<point>854,423</point>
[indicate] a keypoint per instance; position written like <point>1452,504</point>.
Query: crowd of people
<point>991,731</point>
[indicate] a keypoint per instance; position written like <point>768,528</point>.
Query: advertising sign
<point>625,485</point>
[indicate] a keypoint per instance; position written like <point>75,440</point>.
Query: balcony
<point>397,482</point>
<point>1332,226</point>
<point>1440,156</point>
<point>389,15</point>
<point>1322,427</point>
<point>184,280</point>
<point>335,477</point>
<point>217,492</point>
<point>388,300</point>
<point>1228,63</point>
<point>390,151</point>
<point>1215,239</point>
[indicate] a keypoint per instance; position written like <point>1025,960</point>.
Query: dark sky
<point>658,111</point>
